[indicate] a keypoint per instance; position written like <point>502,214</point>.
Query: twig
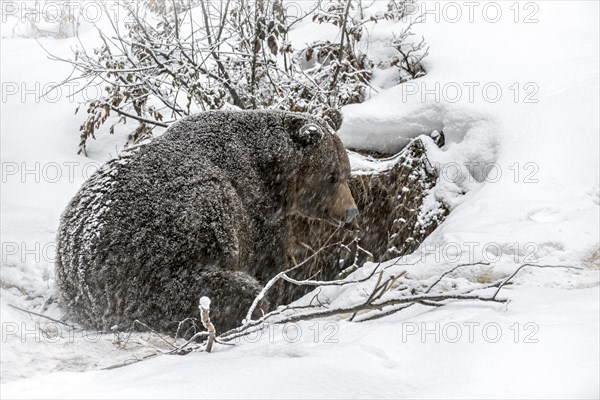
<point>134,361</point>
<point>273,280</point>
<point>43,316</point>
<point>156,333</point>
<point>529,265</point>
<point>190,340</point>
<point>339,282</point>
<point>451,271</point>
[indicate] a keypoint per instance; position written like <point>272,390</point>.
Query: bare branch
<point>43,316</point>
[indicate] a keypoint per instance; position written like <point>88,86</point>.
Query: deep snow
<point>544,209</point>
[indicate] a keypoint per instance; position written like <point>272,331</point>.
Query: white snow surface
<point>205,302</point>
<point>543,210</point>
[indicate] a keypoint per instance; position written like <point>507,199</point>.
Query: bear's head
<point>319,185</point>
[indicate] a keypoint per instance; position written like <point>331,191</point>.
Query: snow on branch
<point>205,318</point>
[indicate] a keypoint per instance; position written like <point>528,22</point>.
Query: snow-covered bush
<point>168,59</point>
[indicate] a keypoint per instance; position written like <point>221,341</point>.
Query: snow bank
<point>398,357</point>
<point>520,117</point>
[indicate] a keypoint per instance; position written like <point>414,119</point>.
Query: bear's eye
<point>332,179</point>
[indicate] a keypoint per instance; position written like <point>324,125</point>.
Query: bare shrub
<point>174,58</point>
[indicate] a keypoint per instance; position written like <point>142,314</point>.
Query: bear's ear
<point>308,135</point>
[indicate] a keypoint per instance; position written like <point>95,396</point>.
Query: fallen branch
<point>372,304</point>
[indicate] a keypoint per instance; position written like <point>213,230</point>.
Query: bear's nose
<point>351,214</point>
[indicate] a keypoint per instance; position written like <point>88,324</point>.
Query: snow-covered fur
<point>199,211</point>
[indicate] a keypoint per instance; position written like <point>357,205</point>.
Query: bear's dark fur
<point>200,211</point>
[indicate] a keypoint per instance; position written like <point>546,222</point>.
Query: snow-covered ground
<point>520,170</point>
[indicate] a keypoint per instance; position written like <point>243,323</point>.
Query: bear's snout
<point>344,208</point>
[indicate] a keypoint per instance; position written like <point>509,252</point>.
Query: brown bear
<point>200,211</point>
